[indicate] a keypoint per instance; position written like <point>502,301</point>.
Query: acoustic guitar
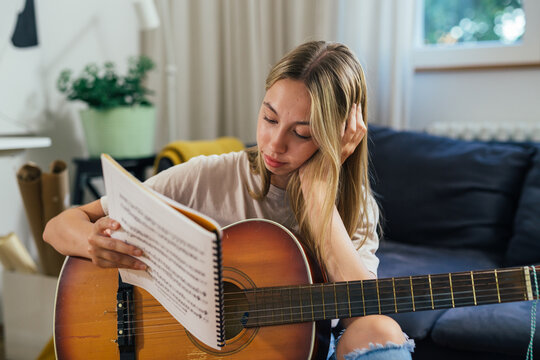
<point>277,305</point>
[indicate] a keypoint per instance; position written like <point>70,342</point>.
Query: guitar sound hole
<point>236,310</point>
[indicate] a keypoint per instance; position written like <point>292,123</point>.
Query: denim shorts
<point>390,351</point>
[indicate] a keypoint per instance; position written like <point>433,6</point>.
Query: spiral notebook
<point>181,247</point>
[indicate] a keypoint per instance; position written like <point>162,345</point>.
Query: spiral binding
<point>218,286</point>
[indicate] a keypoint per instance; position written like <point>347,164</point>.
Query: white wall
<point>71,34</point>
<point>497,95</point>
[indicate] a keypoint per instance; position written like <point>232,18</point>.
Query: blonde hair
<point>335,81</point>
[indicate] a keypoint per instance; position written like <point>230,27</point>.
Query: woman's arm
<point>85,231</point>
<point>340,257</point>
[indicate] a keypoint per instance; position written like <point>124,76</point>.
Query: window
<point>472,33</point>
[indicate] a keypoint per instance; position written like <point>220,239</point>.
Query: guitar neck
<point>294,304</point>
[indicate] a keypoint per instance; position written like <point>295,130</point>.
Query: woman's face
<point>283,129</point>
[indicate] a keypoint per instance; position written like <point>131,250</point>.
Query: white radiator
<point>511,131</point>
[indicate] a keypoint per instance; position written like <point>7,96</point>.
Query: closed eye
<point>271,121</point>
<point>302,136</point>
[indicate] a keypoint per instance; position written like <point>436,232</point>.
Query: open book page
<point>179,253</point>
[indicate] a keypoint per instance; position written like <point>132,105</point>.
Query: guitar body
<point>256,253</point>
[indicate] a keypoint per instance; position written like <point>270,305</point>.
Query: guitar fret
<point>462,286</point>
<point>387,296</point>
<point>497,282</point>
<point>363,300</point>
<point>276,308</point>
<point>473,288</point>
<point>355,296</point>
<point>272,306</point>
<point>290,304</point>
<point>281,307</point>
<point>484,282</point>
<point>311,298</point>
<point>394,290</point>
<point>268,310</point>
<point>371,297</point>
<point>441,298</point>
<point>378,295</point>
<point>422,296</point>
<point>403,292</point>
<point>300,302</point>
<point>322,294</point>
<point>412,294</point>
<point>451,289</point>
<point>335,301</point>
<point>431,292</point>
<point>261,306</point>
<point>256,308</point>
<point>349,299</point>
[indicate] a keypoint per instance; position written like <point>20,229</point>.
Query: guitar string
<point>235,325</point>
<point>466,281</point>
<point>369,307</point>
<point>383,286</point>
<point>278,297</point>
<point>434,277</point>
<point>421,305</point>
<point>274,298</point>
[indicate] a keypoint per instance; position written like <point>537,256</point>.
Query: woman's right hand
<point>108,252</point>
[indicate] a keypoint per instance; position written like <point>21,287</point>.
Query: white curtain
<point>222,51</point>
<point>381,34</point>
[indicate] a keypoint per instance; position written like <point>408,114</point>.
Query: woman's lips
<point>272,162</point>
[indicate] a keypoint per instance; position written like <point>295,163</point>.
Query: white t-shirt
<point>217,186</point>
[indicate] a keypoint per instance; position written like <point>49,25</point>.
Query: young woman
<point>308,172</point>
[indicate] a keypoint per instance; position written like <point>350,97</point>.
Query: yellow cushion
<point>181,151</point>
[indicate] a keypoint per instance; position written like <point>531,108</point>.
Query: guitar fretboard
<point>294,304</point>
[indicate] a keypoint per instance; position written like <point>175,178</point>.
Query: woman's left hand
<point>353,132</point>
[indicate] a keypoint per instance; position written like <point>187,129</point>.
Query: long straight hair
<point>335,81</point>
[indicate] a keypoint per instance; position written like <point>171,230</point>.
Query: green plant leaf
<point>101,87</point>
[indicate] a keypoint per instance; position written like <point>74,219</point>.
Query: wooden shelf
<point>23,142</point>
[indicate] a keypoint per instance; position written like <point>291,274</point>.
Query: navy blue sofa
<point>451,205</point>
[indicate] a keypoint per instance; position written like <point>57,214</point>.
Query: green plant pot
<point>123,132</point>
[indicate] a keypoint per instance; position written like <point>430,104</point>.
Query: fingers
<point>355,127</point>
<point>357,120</point>
<point>109,252</point>
<point>355,130</point>
<point>353,118</point>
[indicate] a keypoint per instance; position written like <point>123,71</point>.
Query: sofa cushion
<point>398,259</point>
<point>503,328</point>
<point>524,246</point>
<point>444,192</point>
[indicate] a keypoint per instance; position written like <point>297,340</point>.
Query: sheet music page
<point>178,252</point>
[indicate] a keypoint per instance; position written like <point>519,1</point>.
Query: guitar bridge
<point>125,312</point>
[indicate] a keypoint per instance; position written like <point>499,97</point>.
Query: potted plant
<point>120,120</point>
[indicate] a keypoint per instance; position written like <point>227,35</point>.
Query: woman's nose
<point>278,142</point>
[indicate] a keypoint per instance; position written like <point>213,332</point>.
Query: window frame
<point>474,55</point>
